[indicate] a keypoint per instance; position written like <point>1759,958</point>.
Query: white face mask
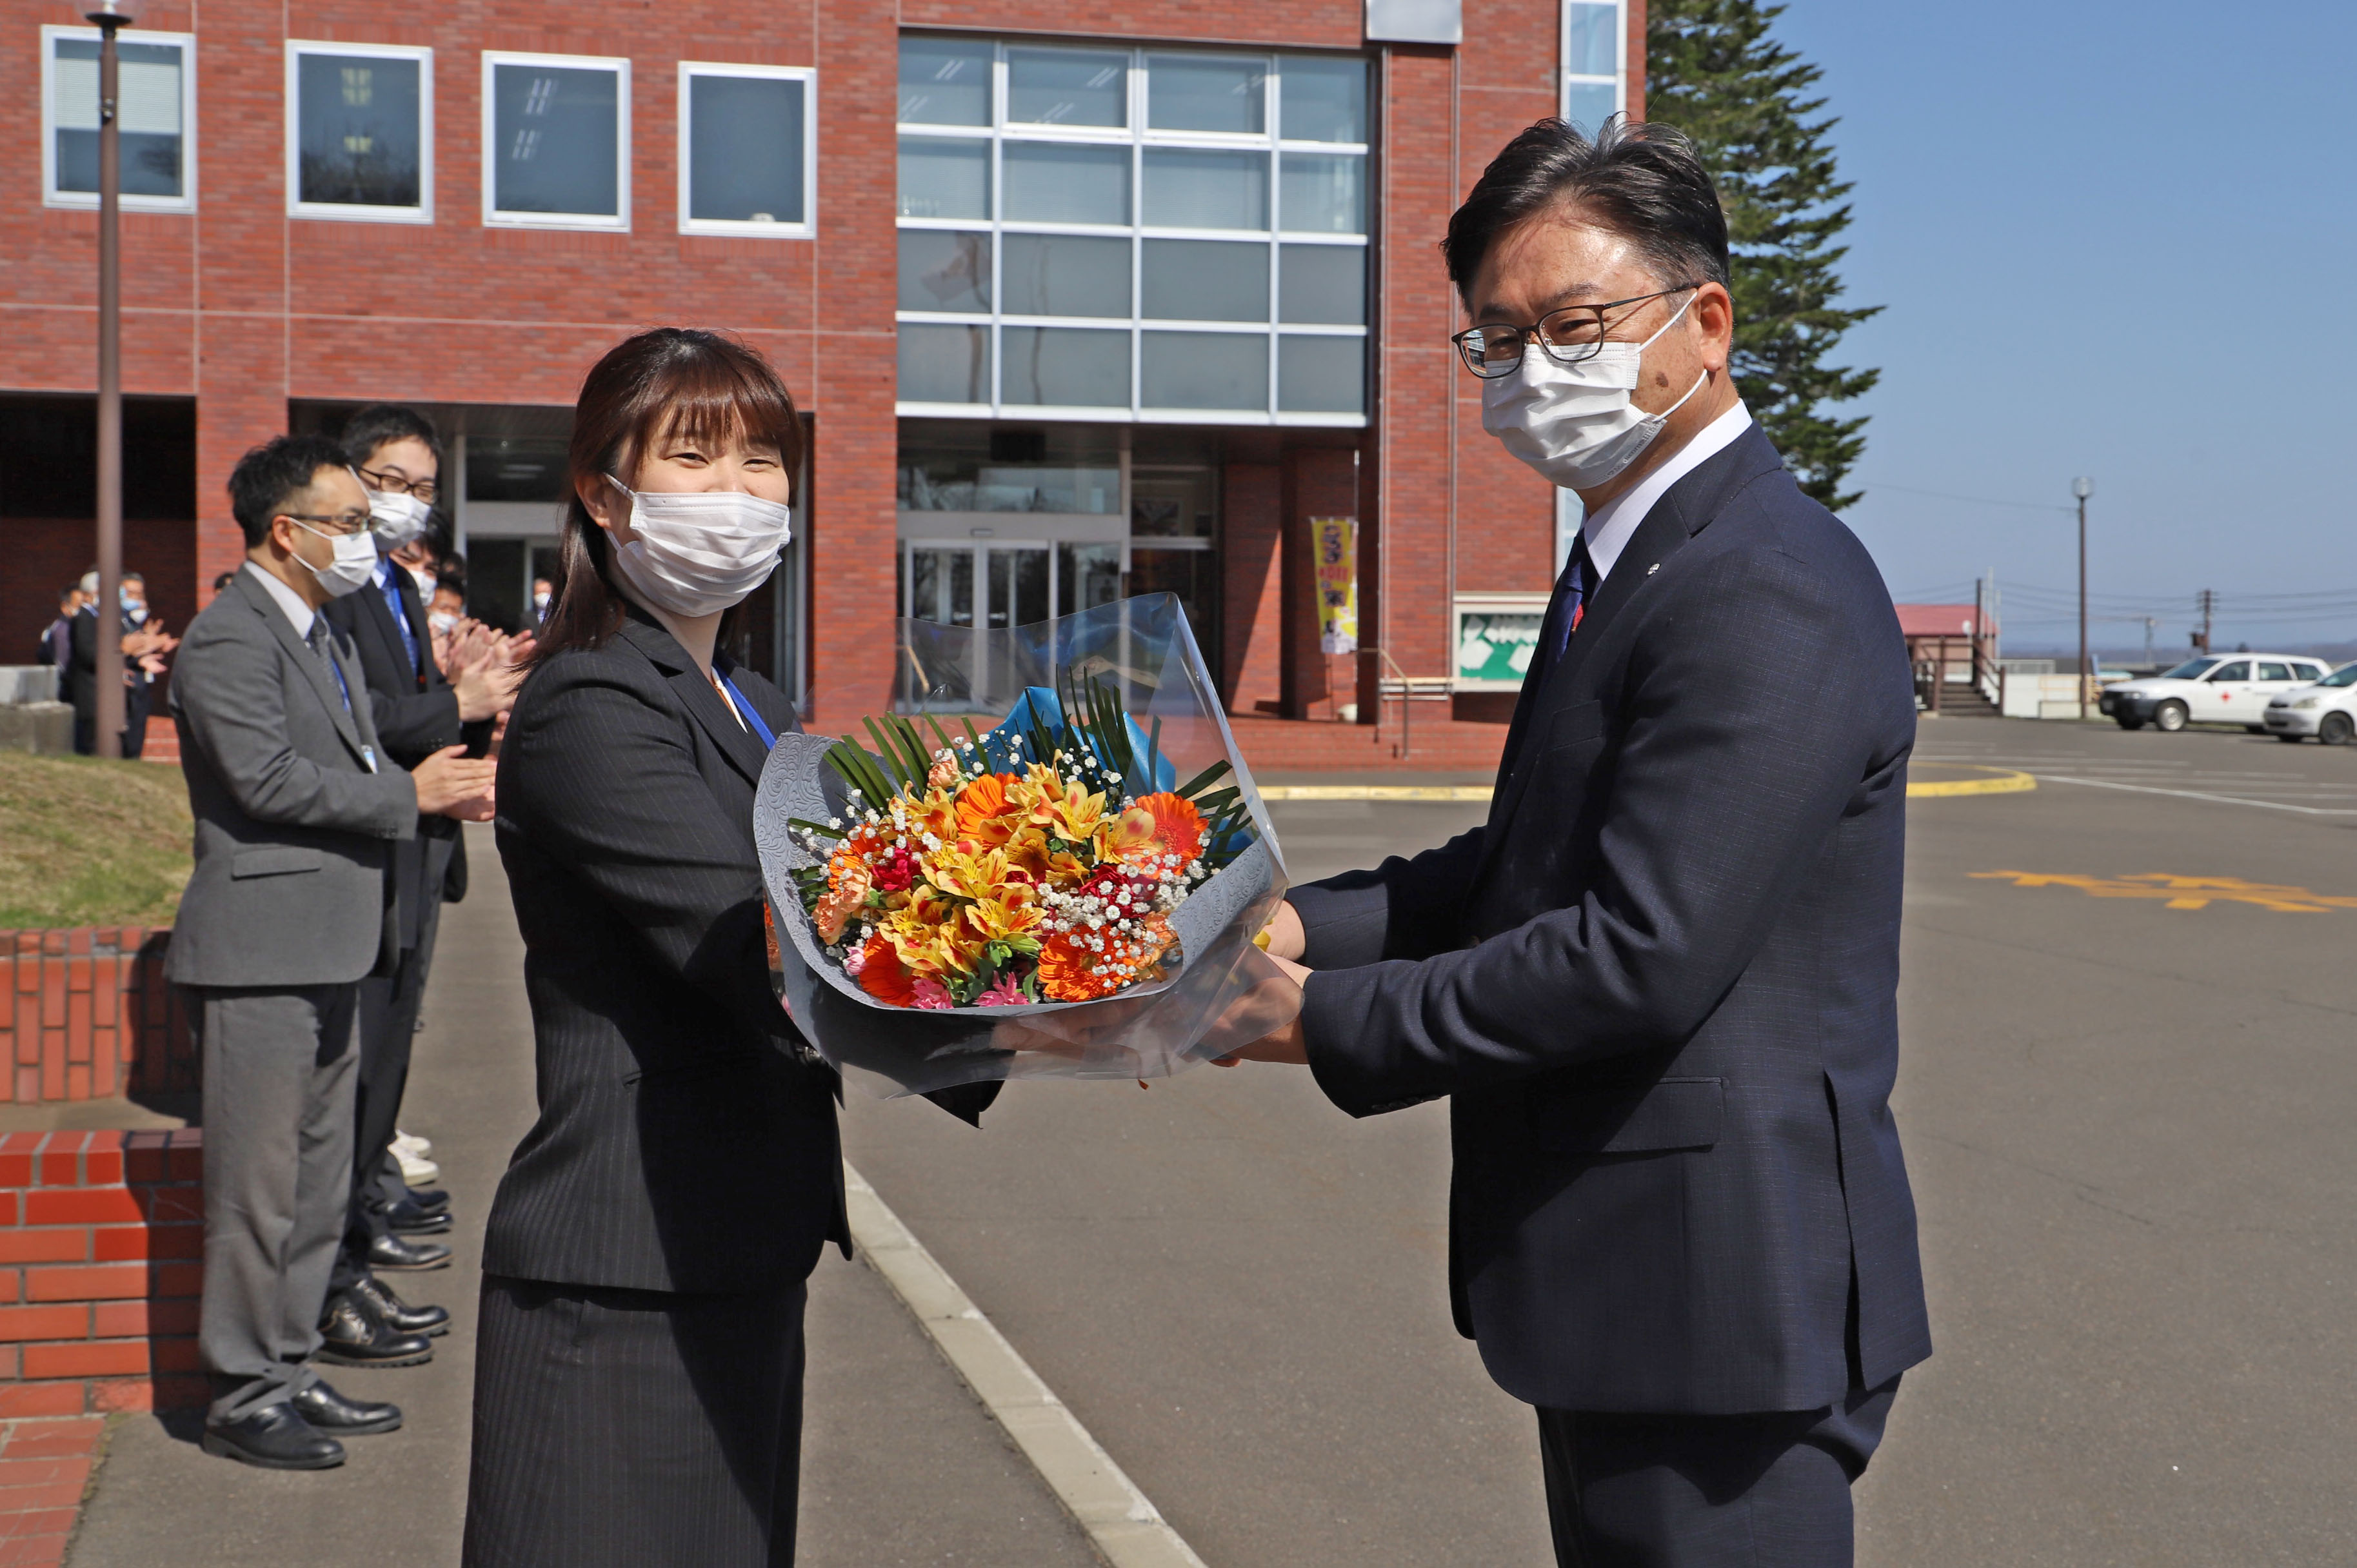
<point>1573,424</point>
<point>425,581</point>
<point>354,565</point>
<point>396,518</point>
<point>700,551</point>
<point>443,622</point>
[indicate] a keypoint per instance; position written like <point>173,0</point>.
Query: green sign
<point>1494,647</point>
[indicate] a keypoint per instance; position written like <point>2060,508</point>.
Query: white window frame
<point>1138,137</point>
<point>806,229</point>
<point>493,217</point>
<point>87,201</point>
<point>1565,76</point>
<point>356,212</point>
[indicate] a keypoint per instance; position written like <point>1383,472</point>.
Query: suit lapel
<point>378,617</point>
<point>733,738</point>
<point>315,668</point>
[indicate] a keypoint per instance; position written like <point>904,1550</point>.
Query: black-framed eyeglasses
<point>1567,336</point>
<point>425,490</point>
<point>345,522</point>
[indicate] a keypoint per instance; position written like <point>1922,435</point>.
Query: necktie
<point>391,587</point>
<point>1570,605</point>
<point>318,642</point>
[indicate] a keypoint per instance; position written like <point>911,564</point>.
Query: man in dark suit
<point>418,712</point>
<point>1659,985</point>
<point>287,908</point>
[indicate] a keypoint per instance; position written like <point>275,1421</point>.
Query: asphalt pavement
<point>2125,1094</point>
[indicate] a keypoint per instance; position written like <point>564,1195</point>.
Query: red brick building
<point>1080,299</point>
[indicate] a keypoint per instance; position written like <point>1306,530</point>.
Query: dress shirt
<point>288,599</point>
<point>1607,530</point>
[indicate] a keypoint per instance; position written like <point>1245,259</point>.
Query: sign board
<point>1496,636</point>
<point>1334,552</point>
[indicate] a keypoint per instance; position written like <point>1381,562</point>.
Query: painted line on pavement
<point>1375,791</point>
<point>2199,795</point>
<point>2006,782</point>
<point>1122,1523</point>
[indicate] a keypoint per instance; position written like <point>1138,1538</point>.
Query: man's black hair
<point>1641,181</point>
<point>372,427</point>
<point>267,479</point>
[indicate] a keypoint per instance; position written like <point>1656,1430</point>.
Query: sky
<point>2111,239</point>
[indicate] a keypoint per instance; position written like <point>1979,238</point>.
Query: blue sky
<point>2111,240</point>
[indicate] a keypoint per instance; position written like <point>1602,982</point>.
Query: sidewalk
<point>900,1465</point>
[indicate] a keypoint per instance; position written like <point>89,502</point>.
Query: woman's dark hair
<point>1642,182</point>
<point>704,386</point>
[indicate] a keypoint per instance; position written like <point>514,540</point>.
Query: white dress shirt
<point>301,614</point>
<point>1607,530</point>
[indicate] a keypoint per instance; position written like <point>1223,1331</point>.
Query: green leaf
<point>819,828</point>
<point>1203,779</point>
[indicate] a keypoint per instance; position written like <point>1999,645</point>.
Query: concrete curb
<point>1119,1520</point>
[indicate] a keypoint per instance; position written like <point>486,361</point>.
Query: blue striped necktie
<point>1569,606</point>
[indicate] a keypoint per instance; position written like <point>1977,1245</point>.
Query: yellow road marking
<point>2002,781</point>
<point>1375,791</point>
<point>2185,892</point>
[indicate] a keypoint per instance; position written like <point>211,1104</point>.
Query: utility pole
<point>2149,622</point>
<point>2082,488</point>
<point>108,15</point>
<point>2208,604</point>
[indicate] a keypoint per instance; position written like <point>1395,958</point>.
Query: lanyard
<point>753,719</point>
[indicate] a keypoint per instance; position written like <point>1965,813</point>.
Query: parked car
<point>2327,709</point>
<point>2214,689</point>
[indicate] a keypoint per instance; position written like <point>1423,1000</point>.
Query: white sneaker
<point>412,1144</point>
<point>416,1171</point>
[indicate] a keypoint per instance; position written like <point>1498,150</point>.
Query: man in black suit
<point>1659,985</point>
<point>418,711</point>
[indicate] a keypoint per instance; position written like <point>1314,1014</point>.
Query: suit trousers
<point>1767,1490</point>
<point>279,1064</point>
<point>622,1428</point>
<point>389,1006</point>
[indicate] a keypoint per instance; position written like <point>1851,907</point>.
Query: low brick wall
<point>86,1014</point>
<point>102,1263</point>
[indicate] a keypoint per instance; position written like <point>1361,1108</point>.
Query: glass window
<point>2192,667</point>
<point>1592,44</point>
<point>1324,193</point>
<point>1203,369</point>
<point>1087,576</point>
<point>1192,574</point>
<point>945,364</point>
<point>1322,99</point>
<point>1061,367</point>
<point>358,123</point>
<point>1588,104</point>
<point>2274,672</point>
<point>1067,87</point>
<point>942,269</point>
<point>1066,275</point>
<point>940,178</point>
<point>1171,500</point>
<point>2344,676</point>
<point>965,465</point>
<point>746,144</point>
<point>945,81</point>
<point>1324,285</point>
<point>2240,670</point>
<point>155,120</point>
<point>1321,375</point>
<point>556,150</point>
<point>1207,92</point>
<point>1203,280</point>
<point>514,468</point>
<point>1065,182</point>
<point>1188,188</point>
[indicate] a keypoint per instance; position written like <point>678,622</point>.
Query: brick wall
<point>102,1263</point>
<point>86,1014</point>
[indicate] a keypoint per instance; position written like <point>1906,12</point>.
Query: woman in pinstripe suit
<point>638,1391</point>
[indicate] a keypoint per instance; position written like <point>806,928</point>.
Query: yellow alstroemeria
<point>1010,910</point>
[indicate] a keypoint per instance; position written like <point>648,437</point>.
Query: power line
<point>1969,501</point>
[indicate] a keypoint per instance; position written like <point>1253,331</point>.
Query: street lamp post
<point>108,16</point>
<point>2082,488</point>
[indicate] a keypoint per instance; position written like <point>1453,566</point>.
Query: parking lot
<point>2126,1092</point>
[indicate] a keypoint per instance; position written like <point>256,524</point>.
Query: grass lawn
<point>86,843</point>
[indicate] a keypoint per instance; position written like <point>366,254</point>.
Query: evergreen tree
<point>1712,70</point>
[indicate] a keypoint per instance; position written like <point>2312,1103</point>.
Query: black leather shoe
<point>393,1311</point>
<point>354,1336</point>
<point>390,1251</point>
<point>331,1411</point>
<point>410,1221</point>
<point>275,1438</point>
<point>432,1199</point>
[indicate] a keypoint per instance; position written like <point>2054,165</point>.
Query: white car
<point>2327,709</point>
<point>2214,689</point>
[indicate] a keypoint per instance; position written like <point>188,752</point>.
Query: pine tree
<point>1712,70</point>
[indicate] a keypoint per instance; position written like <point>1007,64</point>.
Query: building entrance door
<point>986,587</point>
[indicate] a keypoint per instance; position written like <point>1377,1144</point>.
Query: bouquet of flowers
<point>1043,898</point>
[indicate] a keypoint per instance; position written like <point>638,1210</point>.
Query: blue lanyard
<point>753,719</point>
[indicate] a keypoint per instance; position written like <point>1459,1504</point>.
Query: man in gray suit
<point>289,906</point>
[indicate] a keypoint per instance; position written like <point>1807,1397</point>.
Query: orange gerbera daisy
<point>983,813</point>
<point>883,976</point>
<point>1156,825</point>
<point>1070,971</point>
